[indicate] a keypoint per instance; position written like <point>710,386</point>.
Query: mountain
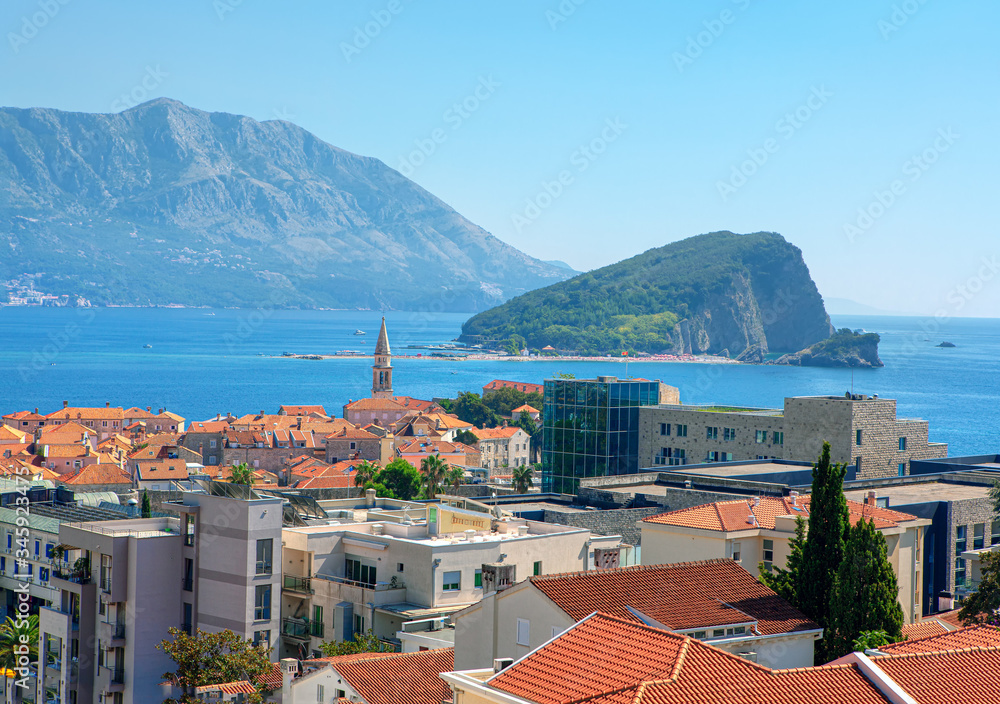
<point>845,306</point>
<point>163,203</point>
<point>721,293</point>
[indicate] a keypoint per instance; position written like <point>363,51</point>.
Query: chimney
<point>794,496</point>
<point>65,404</point>
<point>107,404</point>
<point>149,409</point>
<point>159,412</point>
<point>36,411</point>
<point>298,422</point>
<point>870,500</point>
<point>369,497</point>
<point>289,668</point>
<point>756,501</point>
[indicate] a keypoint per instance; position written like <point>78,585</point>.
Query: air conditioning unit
<point>502,664</point>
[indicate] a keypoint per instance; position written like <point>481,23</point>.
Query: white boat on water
<point>360,332</point>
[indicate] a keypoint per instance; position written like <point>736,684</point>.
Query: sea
<point>200,363</point>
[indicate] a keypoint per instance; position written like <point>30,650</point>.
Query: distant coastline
<point>480,357</point>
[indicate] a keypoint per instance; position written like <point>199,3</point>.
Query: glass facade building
<point>591,429</point>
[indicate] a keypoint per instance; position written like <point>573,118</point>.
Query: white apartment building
<point>212,569</point>
<point>402,572</point>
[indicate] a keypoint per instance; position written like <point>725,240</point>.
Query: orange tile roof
<point>517,385</point>
<point>400,678</point>
<point>302,410</point>
<point>374,404</point>
<point>680,596</point>
<point>209,426</point>
<point>434,447</point>
<point>924,629</point>
<point>97,474</point>
<point>164,471</point>
<point>87,413</point>
<point>326,482</point>
<point>525,409</point>
<point>241,687</point>
<point>495,433</point>
<point>9,433</point>
<point>24,415</point>
<point>971,637</point>
<point>607,660</point>
<point>351,433</point>
<point>271,679</point>
<point>950,617</point>
<point>352,657</point>
<point>67,451</point>
<point>417,404</point>
<point>732,516</point>
<point>969,676</point>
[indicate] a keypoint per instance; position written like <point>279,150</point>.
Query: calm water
<point>200,365</point>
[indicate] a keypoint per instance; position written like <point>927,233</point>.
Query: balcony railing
<point>118,630</point>
<point>117,675</point>
<point>75,576</point>
<point>302,629</point>
<point>294,583</point>
<point>187,584</point>
<point>377,586</point>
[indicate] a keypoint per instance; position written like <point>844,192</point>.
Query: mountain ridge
<point>163,203</point>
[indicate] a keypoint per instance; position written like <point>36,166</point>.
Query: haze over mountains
<point>166,204</point>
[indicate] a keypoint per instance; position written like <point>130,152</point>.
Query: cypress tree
<point>823,550</point>
<point>864,596</point>
<point>146,509</point>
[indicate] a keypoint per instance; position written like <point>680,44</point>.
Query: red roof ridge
<point>945,651</point>
<point>628,568</point>
<point>964,629</point>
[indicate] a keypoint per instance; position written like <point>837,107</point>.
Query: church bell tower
<point>382,369</point>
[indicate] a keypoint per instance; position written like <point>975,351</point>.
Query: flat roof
<point>922,492</point>
<point>542,506</point>
<point>736,469</point>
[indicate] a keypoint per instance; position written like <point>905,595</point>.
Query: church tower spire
<point>382,369</point>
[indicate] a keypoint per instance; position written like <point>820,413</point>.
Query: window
<point>857,463</point>
<point>360,571</point>
<point>712,456</point>
<point>399,566</point>
<point>902,444</point>
<point>779,437</point>
<point>212,444</point>
<point>711,433</point>
<point>188,625</point>
<point>523,631</point>
<point>354,446</point>
<point>48,550</point>
<point>43,574</point>
<point>760,436</point>
<point>262,602</point>
<point>452,581</point>
<point>477,581</point>
<point>978,537</point>
<point>857,437</point>
<point>319,693</point>
<point>682,431</point>
<point>664,428</point>
<point>536,568</point>
<point>961,536</point>
<point>736,551</point>
<point>264,548</point>
<point>188,580</point>
<point>359,623</point>
<point>189,529</point>
<point>729,434</point>
<point>38,548</point>
<point>768,554</point>
<point>719,633</point>
<point>995,535</point>
<point>902,469</point>
<point>699,634</point>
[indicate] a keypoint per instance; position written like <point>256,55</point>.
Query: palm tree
<point>434,470</point>
<point>15,634</point>
<point>455,476</point>
<point>522,478</point>
<point>365,472</point>
<point>242,474</point>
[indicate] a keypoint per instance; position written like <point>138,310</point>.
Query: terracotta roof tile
<point>271,679</point>
<point>401,678</point>
<point>612,661</point>
<point>495,433</point>
<point>302,410</point>
<point>950,617</point>
<point>733,516</point>
<point>517,385</point>
<point>680,596</point>
<point>969,676</point>
<point>971,637</point>
<point>374,404</point>
<point>241,687</point>
<point>93,474</point>
<point>87,414</point>
<point>525,408</point>
<point>924,629</point>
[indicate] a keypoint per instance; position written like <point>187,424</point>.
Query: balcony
<point>301,629</point>
<point>293,583</point>
<point>117,675</point>
<point>187,584</point>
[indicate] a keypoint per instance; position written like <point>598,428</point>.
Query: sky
<point>588,131</point>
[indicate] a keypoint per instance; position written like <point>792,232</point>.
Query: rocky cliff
<point>164,203</point>
<point>844,349</point>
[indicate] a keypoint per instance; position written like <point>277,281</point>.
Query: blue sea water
<point>205,362</point>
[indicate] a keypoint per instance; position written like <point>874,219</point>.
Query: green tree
<point>995,497</point>
<point>365,642</point>
<point>865,593</point>
<point>505,399</point>
<point>564,375</point>
<point>146,510</point>
<point>243,474</point>
<point>823,550</point>
<point>466,437</point>
<point>381,490</point>
<point>869,640</point>
<point>454,477</point>
<point>400,478</point>
<point>434,470</point>
<point>523,479</point>
<point>784,581</point>
<point>14,635</point>
<point>212,658</point>
<point>983,605</point>
<point>470,408</point>
<point>365,472</point>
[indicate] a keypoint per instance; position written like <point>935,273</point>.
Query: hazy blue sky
<point>649,111</point>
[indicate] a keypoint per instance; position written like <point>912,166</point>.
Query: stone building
<point>862,430</point>
<point>382,369</point>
